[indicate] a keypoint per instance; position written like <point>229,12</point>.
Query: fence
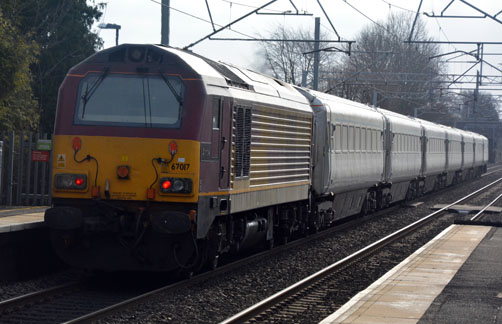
<point>25,170</point>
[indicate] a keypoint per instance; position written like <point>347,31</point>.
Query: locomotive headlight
<point>70,181</point>
<point>178,185</point>
<point>175,185</point>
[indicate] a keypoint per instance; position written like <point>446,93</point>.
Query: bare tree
<point>402,75</point>
<point>286,59</point>
<point>479,106</point>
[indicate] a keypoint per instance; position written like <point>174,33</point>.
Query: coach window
<point>379,137</point>
<point>376,140</point>
<point>338,138</point>
<point>364,143</point>
<point>363,140</point>
<point>345,138</point>
<point>357,139</point>
<point>372,140</point>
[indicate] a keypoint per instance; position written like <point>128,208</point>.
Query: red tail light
<point>166,184</point>
<point>79,181</point>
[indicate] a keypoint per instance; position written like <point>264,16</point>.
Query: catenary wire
<point>201,19</point>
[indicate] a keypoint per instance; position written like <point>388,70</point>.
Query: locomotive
<point>165,160</point>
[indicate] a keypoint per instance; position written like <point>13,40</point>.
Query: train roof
<point>346,111</point>
<point>242,83</point>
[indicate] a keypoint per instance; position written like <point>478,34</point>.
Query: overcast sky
<point>141,23</point>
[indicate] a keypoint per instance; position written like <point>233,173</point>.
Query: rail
<point>93,317</point>
<point>281,296</point>
<point>33,297</point>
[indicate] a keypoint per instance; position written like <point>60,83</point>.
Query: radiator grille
<point>241,141</point>
<point>279,146</point>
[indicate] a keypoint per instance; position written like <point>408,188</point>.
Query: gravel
<point>220,298</point>
<point>10,290</point>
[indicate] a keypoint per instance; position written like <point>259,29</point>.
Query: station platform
<point>455,278</point>
<point>21,218</point>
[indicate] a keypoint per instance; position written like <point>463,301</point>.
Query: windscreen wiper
<point>166,80</point>
<point>89,91</point>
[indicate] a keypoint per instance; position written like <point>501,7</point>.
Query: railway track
<point>113,309</point>
<point>285,305</point>
<point>106,303</point>
<point>61,303</point>
<point>12,304</point>
<point>492,169</point>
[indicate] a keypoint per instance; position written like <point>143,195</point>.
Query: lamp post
<point>112,26</point>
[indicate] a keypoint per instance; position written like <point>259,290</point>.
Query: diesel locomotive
<point>165,160</point>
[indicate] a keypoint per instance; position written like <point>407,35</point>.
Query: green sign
<point>44,145</point>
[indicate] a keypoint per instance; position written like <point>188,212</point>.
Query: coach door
<point>474,151</point>
<point>462,149</point>
<point>388,139</point>
<point>447,152</point>
<point>424,150</point>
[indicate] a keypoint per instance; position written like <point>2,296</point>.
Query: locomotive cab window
<point>130,100</point>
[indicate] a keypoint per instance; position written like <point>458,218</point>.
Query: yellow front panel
<point>137,153</point>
